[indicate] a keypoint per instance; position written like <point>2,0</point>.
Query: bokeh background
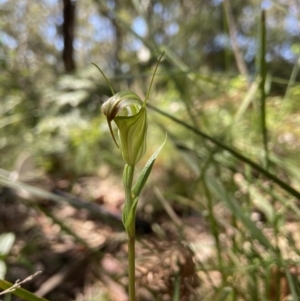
<point>219,219</point>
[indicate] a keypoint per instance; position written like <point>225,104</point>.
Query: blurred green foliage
<point>56,116</point>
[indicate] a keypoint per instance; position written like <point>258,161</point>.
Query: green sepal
<point>143,177</point>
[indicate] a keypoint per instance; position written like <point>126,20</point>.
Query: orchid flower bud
<point>128,112</point>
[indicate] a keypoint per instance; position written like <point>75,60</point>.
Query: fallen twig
<point>18,283</point>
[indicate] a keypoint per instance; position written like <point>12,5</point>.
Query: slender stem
<point>131,267</point>
<point>127,180</point>
<point>107,81</point>
<point>148,92</point>
<point>263,75</point>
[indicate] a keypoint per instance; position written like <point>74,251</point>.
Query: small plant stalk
<point>129,114</point>
<point>128,180</point>
<point>131,268</point>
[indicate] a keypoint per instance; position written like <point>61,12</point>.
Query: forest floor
<point>84,257</point>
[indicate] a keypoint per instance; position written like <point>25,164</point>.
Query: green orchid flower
<point>128,112</point>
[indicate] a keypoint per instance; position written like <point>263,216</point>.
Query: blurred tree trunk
<point>118,47</point>
<point>103,11</point>
<point>68,34</point>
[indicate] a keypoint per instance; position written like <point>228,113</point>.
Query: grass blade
<point>233,152</point>
<point>263,96</point>
<point>219,191</point>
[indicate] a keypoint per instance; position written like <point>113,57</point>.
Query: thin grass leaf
<point>176,294</point>
<point>219,191</point>
<point>10,119</point>
<point>6,181</point>
<point>283,108</point>
<point>245,103</point>
<point>233,152</point>
<point>184,68</point>
<point>286,204</point>
<point>226,291</point>
<point>292,285</point>
<point>259,200</point>
<point>62,225</point>
<point>263,96</point>
<point>213,224</point>
<point>291,166</point>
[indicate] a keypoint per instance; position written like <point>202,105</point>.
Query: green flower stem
<point>131,268</point>
<point>127,180</point>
